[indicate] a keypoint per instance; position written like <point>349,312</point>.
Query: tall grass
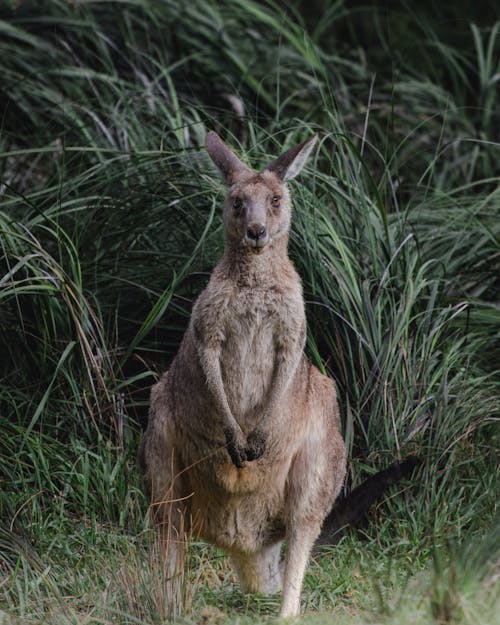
<point>110,223</point>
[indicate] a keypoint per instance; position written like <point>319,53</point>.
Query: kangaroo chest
<point>254,322</point>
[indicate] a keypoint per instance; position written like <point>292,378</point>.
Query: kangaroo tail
<point>351,509</point>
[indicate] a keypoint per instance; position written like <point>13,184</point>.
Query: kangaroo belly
<point>240,516</point>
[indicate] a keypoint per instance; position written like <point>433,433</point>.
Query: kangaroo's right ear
<point>289,164</point>
<point>228,163</point>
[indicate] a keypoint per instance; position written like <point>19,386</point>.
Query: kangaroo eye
<point>237,203</point>
<point>275,201</point>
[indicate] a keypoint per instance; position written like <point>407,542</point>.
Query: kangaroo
<point>243,443</point>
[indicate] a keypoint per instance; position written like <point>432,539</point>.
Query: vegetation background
<point>110,224</point>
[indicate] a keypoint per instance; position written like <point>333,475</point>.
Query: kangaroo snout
<point>256,235</point>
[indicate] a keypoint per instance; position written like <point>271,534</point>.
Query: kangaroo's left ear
<point>289,164</point>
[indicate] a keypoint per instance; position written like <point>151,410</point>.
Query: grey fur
<point>243,444</point>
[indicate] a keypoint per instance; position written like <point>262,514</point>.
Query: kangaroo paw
<point>235,449</point>
<point>256,445</point>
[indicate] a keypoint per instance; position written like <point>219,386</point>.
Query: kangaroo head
<point>257,210</point>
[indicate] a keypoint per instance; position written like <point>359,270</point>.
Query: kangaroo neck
<point>247,268</point>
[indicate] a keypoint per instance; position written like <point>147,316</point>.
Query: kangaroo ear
<point>289,164</point>
<point>228,163</point>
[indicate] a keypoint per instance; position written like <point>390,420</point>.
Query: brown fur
<point>243,434</point>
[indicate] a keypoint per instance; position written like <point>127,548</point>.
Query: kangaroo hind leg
<point>163,481</point>
<point>299,544</point>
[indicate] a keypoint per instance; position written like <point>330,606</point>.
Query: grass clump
<point>110,224</point>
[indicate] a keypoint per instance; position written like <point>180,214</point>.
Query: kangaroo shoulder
<point>210,309</point>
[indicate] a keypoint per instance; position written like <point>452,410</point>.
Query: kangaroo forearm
<point>282,379</point>
<point>288,358</point>
<point>210,364</point>
<point>233,434</point>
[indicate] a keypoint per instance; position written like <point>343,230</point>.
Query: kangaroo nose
<point>256,231</point>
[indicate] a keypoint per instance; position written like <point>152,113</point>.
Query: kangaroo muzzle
<point>256,235</point>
